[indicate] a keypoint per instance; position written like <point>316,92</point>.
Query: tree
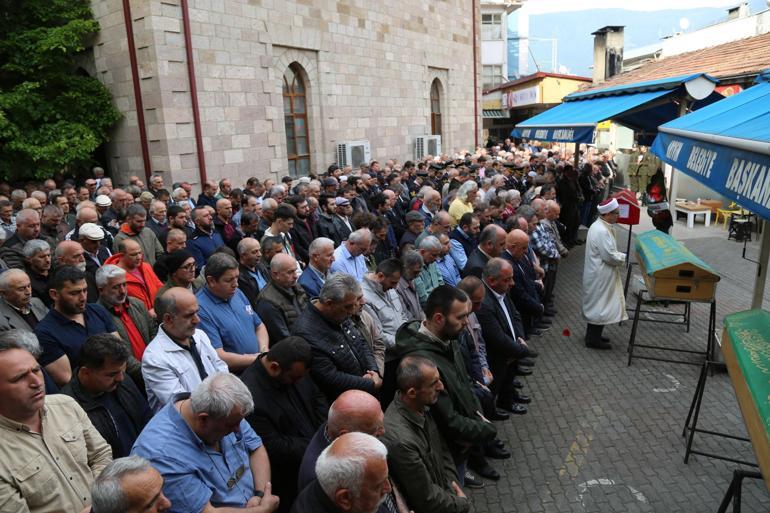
<point>52,117</point>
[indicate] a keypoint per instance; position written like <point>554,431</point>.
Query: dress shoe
<point>550,312</point>
<point>605,339</point>
<point>544,321</point>
<point>499,443</point>
<point>499,414</point>
<point>517,384</point>
<point>523,371</point>
<point>526,362</point>
<point>598,345</point>
<point>515,408</point>
<point>488,472</point>
<point>472,481</point>
<point>522,399</point>
<point>542,327</point>
<point>497,453</point>
<point>532,353</point>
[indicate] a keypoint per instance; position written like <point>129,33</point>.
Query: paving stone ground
<point>604,437</point>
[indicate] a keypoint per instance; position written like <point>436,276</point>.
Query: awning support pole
<point>673,189</point>
<point>576,158</point>
<point>764,254</point>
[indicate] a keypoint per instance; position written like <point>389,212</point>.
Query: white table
<point>693,211</point>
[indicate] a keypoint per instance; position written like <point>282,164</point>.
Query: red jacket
<point>144,292</point>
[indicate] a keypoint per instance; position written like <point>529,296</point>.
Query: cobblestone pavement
<point>604,437</point>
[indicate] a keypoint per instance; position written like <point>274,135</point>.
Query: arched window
<point>435,108</point>
<point>295,118</point>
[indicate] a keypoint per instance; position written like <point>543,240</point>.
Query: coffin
<point>671,271</point>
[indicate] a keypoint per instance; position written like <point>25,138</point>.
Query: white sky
<point>548,6</point>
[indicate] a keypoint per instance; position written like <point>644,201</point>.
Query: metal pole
<point>673,189</point>
<point>628,246</point>
<point>764,254</point>
<point>577,158</point>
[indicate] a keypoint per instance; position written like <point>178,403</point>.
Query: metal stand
<point>632,345</point>
<point>694,413</point>
<point>734,490</point>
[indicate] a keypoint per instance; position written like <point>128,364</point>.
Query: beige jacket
<point>53,471</point>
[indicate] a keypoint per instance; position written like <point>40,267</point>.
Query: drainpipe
<point>137,89</point>
<point>193,92</point>
<point>475,81</point>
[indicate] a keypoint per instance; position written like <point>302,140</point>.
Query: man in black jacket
<point>524,293</point>
<point>342,359</point>
<point>288,409</point>
<point>114,405</point>
<point>491,244</point>
<point>507,351</point>
<point>302,233</point>
<point>253,274</point>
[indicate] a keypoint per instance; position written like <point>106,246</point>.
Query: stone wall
<point>368,68</point>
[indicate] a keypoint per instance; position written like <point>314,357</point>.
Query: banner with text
<point>578,134</point>
<point>743,176</point>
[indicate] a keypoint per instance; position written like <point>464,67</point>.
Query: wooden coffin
<point>671,271</point>
<point>746,348</point>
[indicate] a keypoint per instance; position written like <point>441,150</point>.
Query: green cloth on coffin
<point>749,332</point>
<point>659,251</point>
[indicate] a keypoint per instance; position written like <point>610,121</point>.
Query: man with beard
<point>132,319</point>
<point>205,240</point>
<point>314,276</point>
<point>114,405</point>
<point>325,226</point>
<point>177,219</point>
<point>64,330</point>
<point>302,233</point>
<point>419,458</point>
<point>116,212</point>
<point>38,266</point>
<point>431,203</point>
<point>457,411</point>
<point>134,229</point>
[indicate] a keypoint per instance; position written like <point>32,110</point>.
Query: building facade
<point>238,88</point>
<point>494,40</point>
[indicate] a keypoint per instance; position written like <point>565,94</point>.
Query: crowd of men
<point>340,343</point>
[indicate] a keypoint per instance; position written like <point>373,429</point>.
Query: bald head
<point>355,411</point>
<point>538,205</point>
<point>517,242</point>
<point>87,215</point>
<point>492,240</point>
<point>283,270</point>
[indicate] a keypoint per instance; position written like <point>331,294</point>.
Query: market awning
<point>641,106</point>
<point>725,146</point>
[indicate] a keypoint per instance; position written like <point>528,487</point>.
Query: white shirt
<point>169,369</point>
<point>501,299</point>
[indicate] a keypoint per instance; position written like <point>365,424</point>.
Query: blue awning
<point>641,106</point>
<point>725,146</point>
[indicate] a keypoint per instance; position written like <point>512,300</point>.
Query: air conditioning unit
<point>353,153</point>
<point>427,145</point>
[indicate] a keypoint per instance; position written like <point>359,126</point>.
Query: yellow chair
<point>725,214</point>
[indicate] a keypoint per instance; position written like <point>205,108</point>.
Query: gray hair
<point>154,205</point>
<point>338,471</point>
<point>19,194</point>
<point>359,236</point>
<point>219,394</point>
<point>276,189</point>
<point>411,258</point>
<point>8,275</point>
<point>135,209</point>
<point>430,243</point>
<point>526,212</point>
<point>218,264</point>
<point>107,494</point>
<point>465,188</point>
<point>20,339</point>
<point>107,272</point>
<point>494,267</point>
<point>269,204</point>
<point>488,234</point>
<point>338,286</point>
<point>26,215</point>
<point>241,248</point>
<point>318,244</point>
<point>177,192</point>
<point>33,247</point>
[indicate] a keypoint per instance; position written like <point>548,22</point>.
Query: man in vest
<point>463,239</point>
<point>282,300</point>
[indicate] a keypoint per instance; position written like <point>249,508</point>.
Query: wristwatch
<point>259,493</point>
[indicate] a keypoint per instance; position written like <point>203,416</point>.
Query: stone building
<point>238,88</point>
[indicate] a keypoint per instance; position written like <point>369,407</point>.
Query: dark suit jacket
<point>302,235</point>
<point>501,343</point>
<point>10,318</point>
<point>343,232</point>
<point>524,292</point>
<point>476,263</point>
